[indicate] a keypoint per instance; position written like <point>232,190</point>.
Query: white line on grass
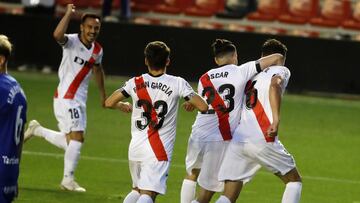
<point>92,158</point>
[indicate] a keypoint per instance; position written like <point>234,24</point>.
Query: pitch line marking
<point>92,158</point>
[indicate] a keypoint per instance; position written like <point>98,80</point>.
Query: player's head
<point>157,55</point>
<point>5,51</point>
<point>273,46</point>
<point>224,52</point>
<point>89,27</point>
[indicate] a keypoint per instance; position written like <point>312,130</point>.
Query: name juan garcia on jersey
<point>155,85</point>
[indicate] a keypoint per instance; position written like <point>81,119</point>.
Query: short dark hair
<point>157,53</point>
<point>222,47</point>
<point>273,46</point>
<point>5,46</point>
<point>89,15</point>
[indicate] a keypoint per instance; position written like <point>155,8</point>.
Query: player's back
<point>12,120</point>
<point>223,88</point>
<point>153,121</point>
<point>256,115</point>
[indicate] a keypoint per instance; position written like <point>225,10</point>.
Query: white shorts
<point>206,156</point>
<point>150,175</point>
<point>70,114</point>
<point>243,160</point>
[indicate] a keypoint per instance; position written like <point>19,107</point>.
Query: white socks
<point>188,191</point>
<point>72,155</point>
<point>223,199</point>
<point>292,192</point>
<point>56,138</point>
<point>132,197</point>
<point>144,199</point>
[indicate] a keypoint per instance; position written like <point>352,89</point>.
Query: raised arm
<point>99,78</point>
<point>115,102</point>
<point>198,102</point>
<point>270,60</point>
<point>275,92</point>
<point>59,32</point>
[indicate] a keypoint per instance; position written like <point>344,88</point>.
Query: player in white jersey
<point>255,142</point>
<point>155,97</point>
<point>212,130</point>
<point>82,56</point>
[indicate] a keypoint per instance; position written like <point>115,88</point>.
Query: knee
<point>77,136</point>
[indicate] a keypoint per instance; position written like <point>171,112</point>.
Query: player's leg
<point>193,163</point>
<point>293,183</point>
<point>147,196</point>
<point>208,177</point>
<point>188,188</point>
<point>152,180</point>
<point>237,168</point>
<point>231,191</point>
<point>71,158</point>
<point>74,123</point>
<point>54,137</point>
<point>134,195</point>
<point>275,158</point>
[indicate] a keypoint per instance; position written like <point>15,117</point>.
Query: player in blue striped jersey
<point>12,120</point>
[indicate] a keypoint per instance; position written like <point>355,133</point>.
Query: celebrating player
<point>82,55</point>
<point>212,130</point>
<point>12,121</point>
<point>255,142</point>
<point>155,97</point>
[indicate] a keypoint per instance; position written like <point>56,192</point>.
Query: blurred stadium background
<point>321,132</point>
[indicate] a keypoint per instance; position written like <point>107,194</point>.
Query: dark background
<point>316,64</point>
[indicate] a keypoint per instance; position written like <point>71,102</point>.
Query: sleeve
<point>127,87</point>
<point>185,90</point>
<point>249,70</point>
<point>69,41</point>
<point>99,58</point>
<point>284,73</point>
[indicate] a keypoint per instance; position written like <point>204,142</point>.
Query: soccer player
<point>155,97</point>
<point>212,130</point>
<point>12,121</point>
<point>82,55</point>
<point>255,142</point>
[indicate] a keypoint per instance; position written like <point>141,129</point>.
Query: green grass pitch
<point>322,134</point>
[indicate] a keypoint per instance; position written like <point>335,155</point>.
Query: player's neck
<point>86,43</point>
<point>3,70</point>
<point>156,73</point>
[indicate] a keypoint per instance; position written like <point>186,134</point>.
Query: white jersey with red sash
<point>154,115</point>
<point>75,68</point>
<point>223,89</point>
<point>256,116</point>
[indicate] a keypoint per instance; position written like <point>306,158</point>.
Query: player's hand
<point>125,107</point>
<point>70,9</point>
<point>188,106</point>
<point>273,130</point>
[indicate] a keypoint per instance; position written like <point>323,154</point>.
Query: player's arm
<point>115,102</point>
<point>275,93</point>
<point>198,102</point>
<point>99,78</point>
<point>59,32</point>
<point>270,60</point>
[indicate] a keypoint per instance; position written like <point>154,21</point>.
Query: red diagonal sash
<point>263,120</point>
<point>153,133</point>
<point>74,86</point>
<point>219,107</point>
